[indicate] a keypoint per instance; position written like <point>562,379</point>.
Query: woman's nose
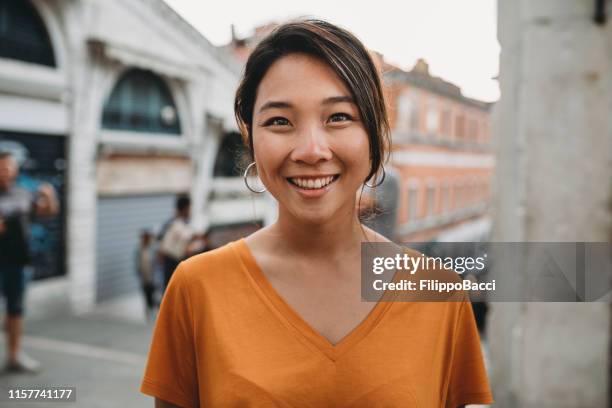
<point>311,146</point>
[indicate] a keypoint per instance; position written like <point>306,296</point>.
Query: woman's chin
<point>321,215</point>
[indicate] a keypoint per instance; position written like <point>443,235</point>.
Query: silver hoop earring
<point>379,183</point>
<point>246,180</point>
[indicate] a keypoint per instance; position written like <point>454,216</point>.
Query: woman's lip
<point>315,176</point>
<point>313,193</point>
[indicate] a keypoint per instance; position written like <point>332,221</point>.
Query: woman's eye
<point>276,121</point>
<point>340,117</point>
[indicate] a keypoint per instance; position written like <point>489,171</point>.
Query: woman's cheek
<point>269,154</point>
<point>356,157</point>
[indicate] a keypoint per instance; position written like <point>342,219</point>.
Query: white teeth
<point>312,183</point>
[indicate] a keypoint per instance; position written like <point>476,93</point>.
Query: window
<point>404,112</point>
<point>460,127</point>
<point>141,102</point>
<point>445,197</point>
<point>468,201</point>
<point>459,195</point>
<point>413,202</point>
<point>431,199</point>
<point>472,192</point>
<point>473,130</point>
<point>483,189</point>
<point>415,114</point>
<point>23,35</point>
<point>453,195</point>
<point>433,119</point>
<point>484,136</point>
<point>445,122</point>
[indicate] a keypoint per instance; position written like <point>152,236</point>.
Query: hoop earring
<point>380,182</point>
<point>246,180</point>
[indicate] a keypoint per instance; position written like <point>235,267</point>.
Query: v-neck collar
<point>294,321</point>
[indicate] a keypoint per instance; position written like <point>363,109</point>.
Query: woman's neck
<point>341,233</point>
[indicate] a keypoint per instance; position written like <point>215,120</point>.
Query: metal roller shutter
<point>119,222</point>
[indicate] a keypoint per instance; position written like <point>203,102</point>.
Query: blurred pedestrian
<point>145,268</point>
<point>199,244</point>
<point>174,237</point>
<point>17,208</point>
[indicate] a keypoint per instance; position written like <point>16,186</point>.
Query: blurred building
<point>120,105</point>
<point>553,127</point>
<point>442,150</point>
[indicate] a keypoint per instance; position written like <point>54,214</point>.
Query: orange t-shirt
<point>225,338</point>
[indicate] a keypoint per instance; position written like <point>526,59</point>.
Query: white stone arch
<point>178,91</point>
<point>56,34</point>
<point>180,95</point>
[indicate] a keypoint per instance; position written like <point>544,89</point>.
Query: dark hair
<point>182,202</point>
<point>346,56</point>
<point>6,154</point>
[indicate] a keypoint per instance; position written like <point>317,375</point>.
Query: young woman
<point>276,319</point>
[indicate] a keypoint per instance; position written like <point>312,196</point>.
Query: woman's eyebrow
<point>338,99</point>
<point>275,104</point>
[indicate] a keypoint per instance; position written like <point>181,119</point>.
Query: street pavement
<point>102,354</point>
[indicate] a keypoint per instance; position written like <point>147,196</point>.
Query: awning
<point>185,70</point>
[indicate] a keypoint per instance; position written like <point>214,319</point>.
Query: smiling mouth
<point>313,183</point>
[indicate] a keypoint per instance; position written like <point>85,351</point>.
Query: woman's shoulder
<point>220,261</point>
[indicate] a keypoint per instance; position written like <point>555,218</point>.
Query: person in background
<point>174,237</point>
<point>145,268</point>
<point>17,208</point>
<point>199,244</point>
<point>379,205</point>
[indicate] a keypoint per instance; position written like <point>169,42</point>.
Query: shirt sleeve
<point>171,370</point>
<point>468,382</point>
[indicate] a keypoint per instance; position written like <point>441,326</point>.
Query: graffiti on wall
<point>41,159</point>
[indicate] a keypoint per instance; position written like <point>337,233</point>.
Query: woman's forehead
<point>302,77</point>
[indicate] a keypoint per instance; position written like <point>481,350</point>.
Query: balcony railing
<point>407,137</point>
<point>438,220</point>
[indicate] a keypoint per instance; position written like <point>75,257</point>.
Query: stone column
<point>553,136</point>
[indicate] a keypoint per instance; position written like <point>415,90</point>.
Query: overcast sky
<point>457,38</point>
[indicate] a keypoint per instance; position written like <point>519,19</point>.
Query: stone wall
<point>553,134</point>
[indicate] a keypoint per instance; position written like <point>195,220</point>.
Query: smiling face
<point>310,145</point>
